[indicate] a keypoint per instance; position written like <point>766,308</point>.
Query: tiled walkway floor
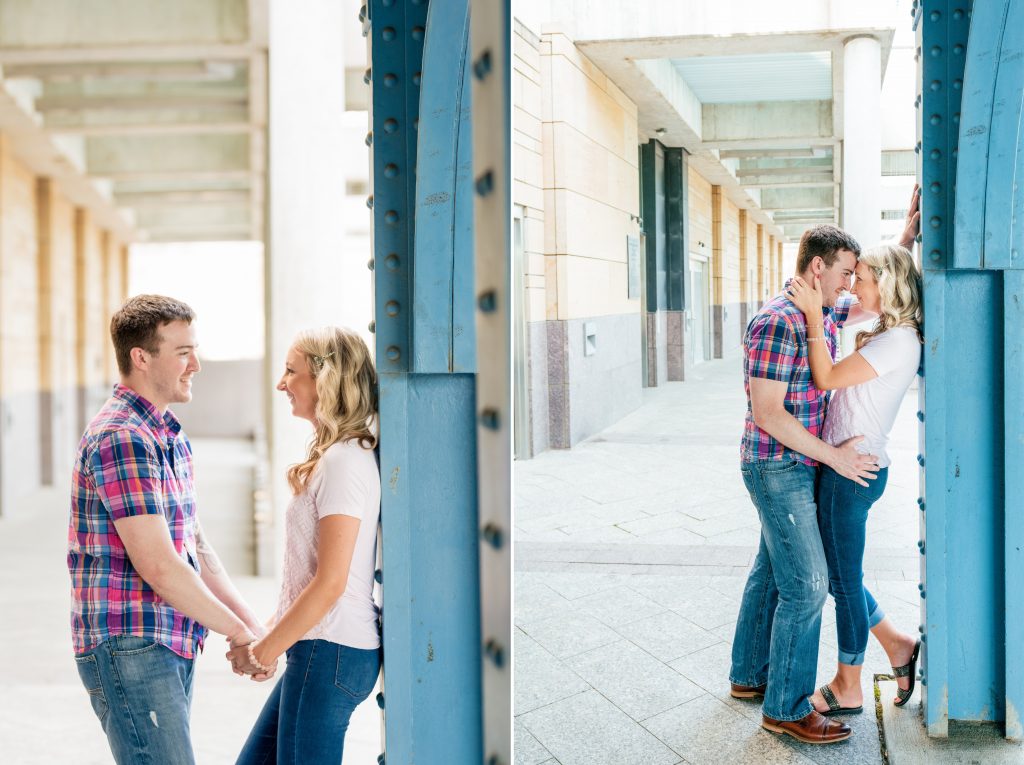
<point>632,550</point>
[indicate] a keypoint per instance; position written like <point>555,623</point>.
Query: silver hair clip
<point>319,360</point>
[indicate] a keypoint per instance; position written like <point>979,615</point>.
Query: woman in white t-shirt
<point>869,386</point>
<point>326,620</point>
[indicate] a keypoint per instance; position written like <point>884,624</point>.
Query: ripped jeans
<point>779,623</point>
<point>141,692</point>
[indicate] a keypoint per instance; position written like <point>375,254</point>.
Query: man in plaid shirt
<point>775,651</point>
<point>145,584</point>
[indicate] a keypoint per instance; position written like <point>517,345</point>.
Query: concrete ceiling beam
<point>138,199</point>
<point>161,176</point>
<point>74,24</point>
<point>801,199</point>
<point>150,128</point>
<point>773,124</point>
<point>789,185</point>
<point>176,71</point>
<point>759,153</point>
<point>111,155</point>
<point>205,102</point>
<point>763,172</point>
<point>127,52</point>
<point>199,215</point>
<point>225,233</point>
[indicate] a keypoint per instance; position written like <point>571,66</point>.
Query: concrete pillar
<point>862,140</point>
<point>778,264</point>
<point>310,279</point>
<point>744,276</point>
<point>761,285</point>
<point>717,272</point>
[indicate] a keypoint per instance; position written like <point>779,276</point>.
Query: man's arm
<point>216,578</point>
<point>147,540</point>
<point>767,402</point>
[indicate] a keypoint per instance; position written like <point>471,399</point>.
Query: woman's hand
<point>807,298</point>
<point>238,655</point>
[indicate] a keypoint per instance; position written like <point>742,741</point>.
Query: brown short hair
<point>137,325</point>
<point>823,242</point>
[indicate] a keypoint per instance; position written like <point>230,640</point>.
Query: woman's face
<point>865,287</point>
<point>299,385</point>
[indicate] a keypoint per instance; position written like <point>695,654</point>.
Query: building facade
<point>666,163</point>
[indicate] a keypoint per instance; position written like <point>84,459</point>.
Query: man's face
<point>835,279</point>
<point>170,370</point>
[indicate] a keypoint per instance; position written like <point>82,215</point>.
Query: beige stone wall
<point>91,317</point>
<point>19,340</point>
<point>699,205</point>
<point>60,277</point>
<point>113,296</point>
<point>528,170</point>
<point>730,253</point>
<point>750,279</point>
<point>591,185</point>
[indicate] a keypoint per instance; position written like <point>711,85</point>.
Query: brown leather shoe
<point>738,691</point>
<point>813,729</point>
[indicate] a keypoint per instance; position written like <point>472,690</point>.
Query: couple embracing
<point>147,586</point>
<point>814,460</point>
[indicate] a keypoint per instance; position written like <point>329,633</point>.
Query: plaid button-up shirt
<point>131,461</point>
<point>775,348</point>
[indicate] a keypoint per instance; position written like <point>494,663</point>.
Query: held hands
<point>242,660</point>
<point>806,297</point>
<point>850,463</point>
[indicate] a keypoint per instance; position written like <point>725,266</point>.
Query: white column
<point>314,277</point>
<point>862,140</point>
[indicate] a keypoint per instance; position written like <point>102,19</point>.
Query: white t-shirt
<point>346,481</point>
<point>869,409</point>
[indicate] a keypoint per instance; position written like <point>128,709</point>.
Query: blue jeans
<point>842,517</point>
<point>141,692</point>
<point>306,715</point>
<point>779,622</point>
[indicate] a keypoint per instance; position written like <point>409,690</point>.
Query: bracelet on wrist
<point>253,660</point>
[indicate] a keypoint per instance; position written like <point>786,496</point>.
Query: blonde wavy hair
<point>346,391</point>
<point>899,290</point>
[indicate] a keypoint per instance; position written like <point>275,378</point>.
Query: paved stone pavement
<point>631,553</point>
<point>45,717</point>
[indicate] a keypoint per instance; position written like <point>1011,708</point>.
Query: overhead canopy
<point>162,106</point>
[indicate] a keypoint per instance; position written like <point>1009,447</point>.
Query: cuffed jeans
<point>842,517</point>
<point>141,692</point>
<point>779,623</point>
<point>306,715</point>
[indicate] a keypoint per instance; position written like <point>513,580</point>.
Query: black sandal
<point>907,670</point>
<point>834,708</point>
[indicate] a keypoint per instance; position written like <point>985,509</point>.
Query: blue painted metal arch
<point>972,78</point>
<point>443,320</point>
<point>421,245</point>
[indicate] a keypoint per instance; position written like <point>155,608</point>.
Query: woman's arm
<point>334,556</point>
<point>853,370</point>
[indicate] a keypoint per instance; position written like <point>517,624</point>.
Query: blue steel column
<point>972,77</point>
<point>423,267</point>
<point>492,143</point>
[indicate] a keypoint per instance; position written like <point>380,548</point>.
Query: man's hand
<point>850,463</point>
<point>913,222</point>
<point>238,656</point>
